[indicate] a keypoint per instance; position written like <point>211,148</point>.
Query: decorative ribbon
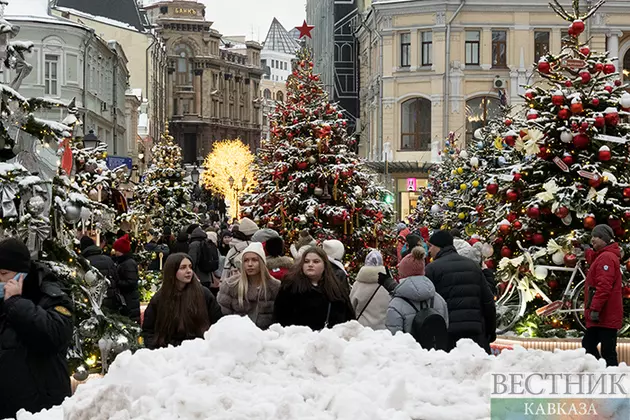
<point>553,247</point>
<point>35,232</point>
<point>8,192</point>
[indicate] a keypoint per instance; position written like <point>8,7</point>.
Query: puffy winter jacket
<point>602,291</point>
<point>256,304</point>
<point>364,287</point>
<point>279,266</point>
<point>417,289</point>
<point>460,281</point>
<point>128,285</point>
<point>35,333</point>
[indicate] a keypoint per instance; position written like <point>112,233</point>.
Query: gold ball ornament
<point>460,170</point>
<point>461,216</point>
<point>451,204</point>
<point>475,184</point>
<point>463,187</point>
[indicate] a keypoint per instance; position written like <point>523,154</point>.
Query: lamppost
<point>194,175</point>
<point>237,190</point>
<point>90,141</point>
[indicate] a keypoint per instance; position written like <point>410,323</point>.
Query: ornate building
<point>213,83</point>
<point>431,67</point>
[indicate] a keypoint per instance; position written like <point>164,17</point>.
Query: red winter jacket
<point>604,280</point>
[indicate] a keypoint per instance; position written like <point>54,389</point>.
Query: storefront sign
<point>412,184</point>
<point>182,11</point>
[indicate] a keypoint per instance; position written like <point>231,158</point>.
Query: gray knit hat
<point>604,232</point>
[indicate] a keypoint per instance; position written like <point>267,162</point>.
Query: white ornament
<point>502,160</point>
<point>463,154</point>
<point>478,134</point>
<point>312,160</point>
<point>474,162</point>
<point>541,273</point>
<point>566,136</point>
<point>568,220</point>
<point>358,191</point>
<point>558,258</point>
<point>611,178</point>
<point>318,191</point>
<point>302,219</point>
<point>487,250</point>
<point>435,209</point>
<point>624,101</point>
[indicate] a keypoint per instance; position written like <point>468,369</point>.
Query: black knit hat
<point>14,256</point>
<point>275,247</point>
<point>441,239</point>
<point>86,241</point>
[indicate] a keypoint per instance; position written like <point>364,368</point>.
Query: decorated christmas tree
<point>164,196</point>
<point>308,177</point>
<point>572,178</point>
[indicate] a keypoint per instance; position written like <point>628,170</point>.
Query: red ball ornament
<point>491,265</point>
<point>480,208</point>
<point>567,159</point>
<point>600,121</point>
<point>323,159</point>
<point>504,229</point>
<point>585,76</point>
<point>510,138</point>
<point>511,195</point>
<point>562,212</point>
<point>517,177</point>
<point>544,153</point>
<point>628,265</point>
<point>611,116</point>
<point>564,114</point>
<point>492,188</point>
<point>570,260</point>
<point>599,67</point>
<point>581,141</point>
<point>568,83</point>
<point>544,66</point>
<point>590,222</point>
<point>533,212</point>
<point>538,239</point>
<point>626,215</point>
<point>604,154</point>
<point>302,165</point>
<point>595,183</point>
<point>506,252</point>
<point>532,114</point>
<point>530,93</point>
<point>584,127</point>
<point>553,284</point>
<point>508,122</point>
<point>585,50</point>
<point>517,225</point>
<point>595,102</point>
<point>340,115</point>
<point>626,192</point>
<point>609,68</point>
<point>625,291</point>
<point>528,236</point>
<point>577,107</point>
<point>617,82</point>
<point>578,27</point>
<point>608,88</point>
<point>511,217</point>
<point>557,98</point>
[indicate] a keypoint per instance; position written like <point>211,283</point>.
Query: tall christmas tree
<point>573,176</point>
<point>308,176</point>
<point>164,196</point>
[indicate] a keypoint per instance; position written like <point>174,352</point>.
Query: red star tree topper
<point>305,30</point>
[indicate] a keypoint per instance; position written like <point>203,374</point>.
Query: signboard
<point>574,64</point>
<point>412,184</point>
<point>114,162</point>
<point>183,11</point>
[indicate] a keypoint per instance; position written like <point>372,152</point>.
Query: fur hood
<point>279,262</point>
<point>369,274</point>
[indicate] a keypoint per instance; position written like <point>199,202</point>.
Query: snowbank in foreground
<point>239,372</point>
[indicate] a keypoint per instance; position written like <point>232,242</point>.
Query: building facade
<point>123,21</point>
<point>71,62</point>
<point>212,86</point>
<point>335,53</point>
<point>433,67</point>
<point>277,58</point>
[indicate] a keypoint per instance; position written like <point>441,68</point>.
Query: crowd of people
<point>442,293</point>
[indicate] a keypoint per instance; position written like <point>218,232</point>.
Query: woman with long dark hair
<point>182,309</point>
<point>311,296</point>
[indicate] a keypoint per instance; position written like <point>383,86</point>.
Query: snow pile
<point>239,372</point>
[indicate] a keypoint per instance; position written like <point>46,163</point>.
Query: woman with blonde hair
<point>253,292</point>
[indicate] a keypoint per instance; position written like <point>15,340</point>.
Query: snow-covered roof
<point>101,19</point>
<point>279,40</point>
<point>122,11</point>
<point>35,8</point>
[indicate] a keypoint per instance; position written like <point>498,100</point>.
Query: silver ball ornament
<point>36,205</point>
<point>72,213</point>
<point>81,374</point>
<point>318,191</point>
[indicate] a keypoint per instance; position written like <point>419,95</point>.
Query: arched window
<point>479,111</point>
<point>626,66</point>
<point>279,96</point>
<point>267,94</point>
<point>184,65</point>
<point>416,125</point>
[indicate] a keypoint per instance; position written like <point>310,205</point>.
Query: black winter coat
<point>107,267</point>
<point>150,316</point>
<point>462,284</point>
<point>35,333</point>
<point>310,308</point>
<point>128,285</point>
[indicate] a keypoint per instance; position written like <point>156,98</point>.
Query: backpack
<point>428,326</point>
<point>208,261</point>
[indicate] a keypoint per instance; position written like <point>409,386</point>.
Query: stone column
<point>613,46</point>
<point>170,94</point>
<point>197,87</point>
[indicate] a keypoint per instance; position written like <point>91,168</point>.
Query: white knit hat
<point>247,226</point>
<point>212,236</point>
<point>334,249</point>
<point>256,248</point>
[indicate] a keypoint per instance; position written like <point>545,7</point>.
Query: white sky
<point>252,18</point>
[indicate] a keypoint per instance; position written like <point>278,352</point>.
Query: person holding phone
<point>35,333</point>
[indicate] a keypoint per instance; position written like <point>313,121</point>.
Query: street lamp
<point>194,175</point>
<point>237,190</point>
<point>90,141</point>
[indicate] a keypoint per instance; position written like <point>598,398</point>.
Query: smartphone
<point>18,275</point>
